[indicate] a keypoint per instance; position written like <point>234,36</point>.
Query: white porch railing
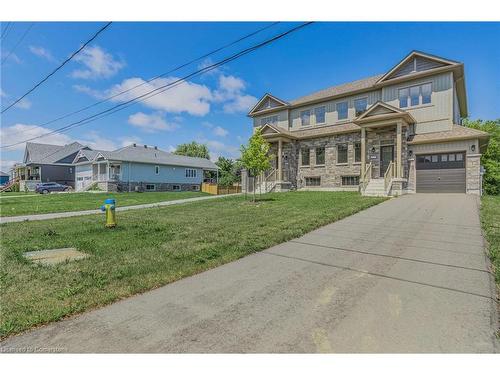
<point>389,174</point>
<point>366,175</point>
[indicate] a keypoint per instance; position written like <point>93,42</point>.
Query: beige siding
<point>456,108</point>
<point>331,116</point>
<point>438,115</point>
<point>445,147</point>
<point>282,119</point>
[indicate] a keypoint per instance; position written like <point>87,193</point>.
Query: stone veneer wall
<point>472,172</point>
<point>331,173</point>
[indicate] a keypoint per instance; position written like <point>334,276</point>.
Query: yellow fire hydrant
<point>109,208</point>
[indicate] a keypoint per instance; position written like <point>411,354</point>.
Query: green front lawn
<point>490,220</point>
<point>149,248</point>
<point>42,204</point>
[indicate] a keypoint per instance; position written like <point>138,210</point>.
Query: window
<point>157,169</point>
<point>273,120</point>
<point>357,152</point>
<point>342,153</point>
<point>319,113</point>
<point>415,95</point>
<point>176,187</point>
<point>434,159</point>
<point>350,180</point>
<point>195,187</point>
<point>460,157</point>
<point>341,110</point>
<point>426,93</point>
<point>320,156</point>
<point>360,105</point>
<point>444,157</point>
<point>313,181</point>
<point>79,178</point>
<point>305,156</point>
<point>150,187</point>
<point>305,117</point>
<point>451,157</point>
<point>403,98</point>
<point>71,171</point>
<point>190,173</point>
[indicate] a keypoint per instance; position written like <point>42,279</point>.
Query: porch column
<point>398,149</point>
<point>280,147</point>
<point>363,150</point>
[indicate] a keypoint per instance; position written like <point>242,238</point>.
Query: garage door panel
<point>441,181</point>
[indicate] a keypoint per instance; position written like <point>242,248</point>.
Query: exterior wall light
<point>373,150</point>
<point>410,153</point>
<point>473,148</point>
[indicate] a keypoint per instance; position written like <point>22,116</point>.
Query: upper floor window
<point>342,110</point>
<point>342,153</point>
<point>273,120</point>
<point>360,105</point>
<point>305,156</point>
<point>305,117</point>
<point>415,95</point>
<point>190,173</point>
<point>357,152</point>
<point>320,156</point>
<point>319,113</point>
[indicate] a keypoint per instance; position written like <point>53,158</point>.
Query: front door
<point>386,156</point>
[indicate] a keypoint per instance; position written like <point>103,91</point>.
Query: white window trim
<point>194,175</point>
<point>420,101</point>
<point>153,185</point>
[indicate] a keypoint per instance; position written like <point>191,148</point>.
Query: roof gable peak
<point>267,102</point>
<point>416,62</point>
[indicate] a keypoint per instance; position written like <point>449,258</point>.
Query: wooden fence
<point>219,190</point>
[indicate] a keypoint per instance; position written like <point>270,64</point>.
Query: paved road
<point>409,275</point>
<point>57,215</point>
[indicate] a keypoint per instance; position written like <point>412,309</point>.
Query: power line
<point>158,76</point>
<point>58,68</point>
<point>6,30</point>
<point>163,88</point>
<point>18,42</point>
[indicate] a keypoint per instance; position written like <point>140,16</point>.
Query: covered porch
<point>384,131</point>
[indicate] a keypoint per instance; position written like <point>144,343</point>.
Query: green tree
<point>490,158</point>
<point>255,157</point>
<point>194,149</point>
<point>227,171</point>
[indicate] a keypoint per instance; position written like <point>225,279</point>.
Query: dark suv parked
<point>48,187</point>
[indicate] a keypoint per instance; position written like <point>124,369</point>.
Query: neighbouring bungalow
<point>139,167</point>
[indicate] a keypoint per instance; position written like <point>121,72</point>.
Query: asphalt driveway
<point>408,275</point>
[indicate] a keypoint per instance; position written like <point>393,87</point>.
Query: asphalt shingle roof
<point>456,132</point>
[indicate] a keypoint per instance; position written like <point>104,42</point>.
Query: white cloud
<point>98,64</point>
<point>188,97</point>
<point>127,141</point>
<point>220,132</point>
<point>42,52</point>
<point>171,148</point>
<point>18,132</point>
<point>23,104</point>
<point>6,165</point>
<point>3,94</point>
<point>231,92</point>
<point>94,140</point>
<point>217,148</point>
<point>151,123</point>
<point>87,90</point>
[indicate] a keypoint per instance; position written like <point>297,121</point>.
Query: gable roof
<point>416,62</point>
<point>42,153</point>
<point>261,104</point>
<point>338,90</point>
<point>148,155</point>
<point>428,64</point>
<point>383,111</point>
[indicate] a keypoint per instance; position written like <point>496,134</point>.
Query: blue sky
<point>212,108</point>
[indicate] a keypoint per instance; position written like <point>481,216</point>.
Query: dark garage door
<point>441,173</point>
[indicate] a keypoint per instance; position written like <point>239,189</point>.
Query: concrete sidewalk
<point>57,215</point>
<point>408,275</point>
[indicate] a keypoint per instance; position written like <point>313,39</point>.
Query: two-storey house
<point>390,134</point>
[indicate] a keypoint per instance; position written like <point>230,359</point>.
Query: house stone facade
<point>390,134</point>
